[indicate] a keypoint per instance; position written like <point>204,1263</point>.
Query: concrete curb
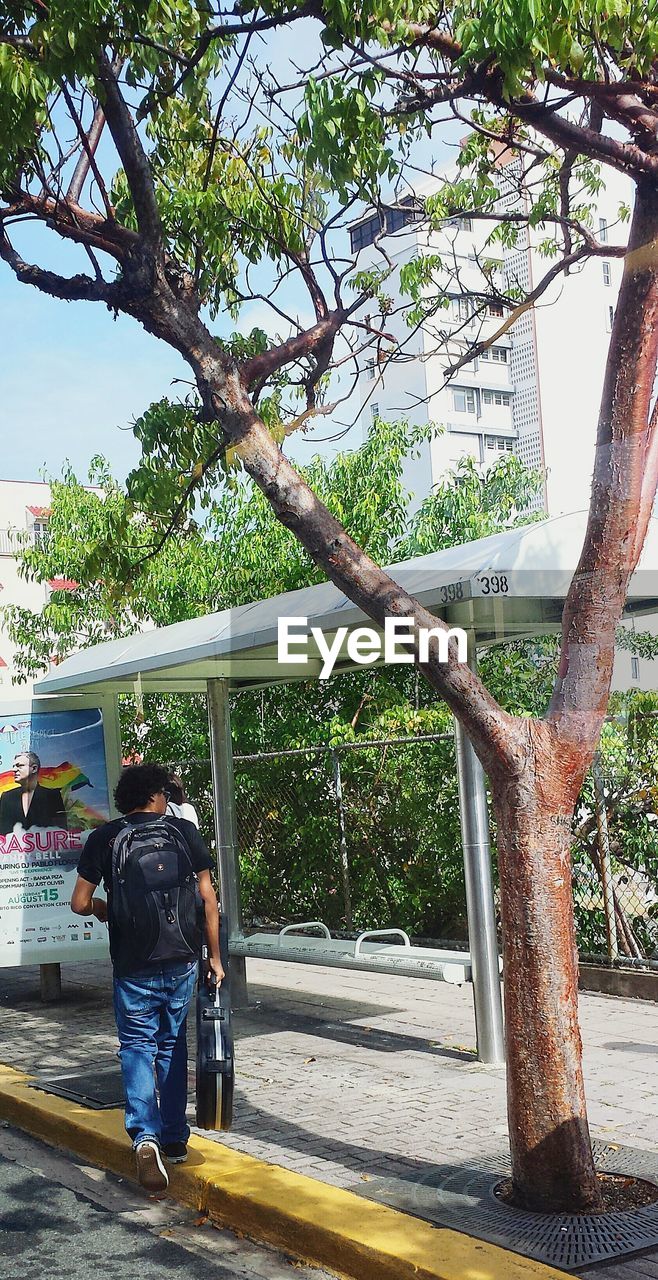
<point>317,1223</point>
<point>634,984</point>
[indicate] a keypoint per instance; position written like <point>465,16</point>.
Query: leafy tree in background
<point>236,551</point>
<point>187,193</point>
<point>402,814</point>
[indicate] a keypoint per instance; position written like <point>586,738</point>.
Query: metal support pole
<point>50,980</point>
<point>221,759</point>
<point>483,942</point>
<point>344,861</point>
<point>112,738</point>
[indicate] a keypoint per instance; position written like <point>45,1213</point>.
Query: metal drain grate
<point>464,1198</point>
<point>98,1087</point>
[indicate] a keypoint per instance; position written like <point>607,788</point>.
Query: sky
<point>73,378</point>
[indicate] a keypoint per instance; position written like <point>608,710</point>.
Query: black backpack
<point>156,906</point>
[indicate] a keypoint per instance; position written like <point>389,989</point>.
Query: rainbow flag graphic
<point>67,777</point>
<point>82,817</point>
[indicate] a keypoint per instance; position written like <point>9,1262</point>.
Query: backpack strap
<point>179,837</point>
<point>119,844</point>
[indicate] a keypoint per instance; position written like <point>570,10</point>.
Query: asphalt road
<point>63,1220</point>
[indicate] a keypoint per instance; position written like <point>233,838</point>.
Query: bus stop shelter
<point>506,587</point>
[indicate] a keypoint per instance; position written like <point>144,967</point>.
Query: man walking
<point>160,901</point>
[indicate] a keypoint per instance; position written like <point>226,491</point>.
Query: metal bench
<point>364,954</point>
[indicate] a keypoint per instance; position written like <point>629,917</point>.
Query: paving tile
<point>391,1093</point>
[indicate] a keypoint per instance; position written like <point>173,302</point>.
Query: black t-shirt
<point>96,859</point>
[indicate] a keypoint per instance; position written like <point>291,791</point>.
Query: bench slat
<point>414,962</point>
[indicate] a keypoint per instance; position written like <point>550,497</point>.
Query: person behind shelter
<point>151,995</point>
<point>28,804</point>
<point>179,806</point>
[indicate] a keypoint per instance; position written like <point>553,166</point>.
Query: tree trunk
<point>552,1164</point>
<point>536,767</point>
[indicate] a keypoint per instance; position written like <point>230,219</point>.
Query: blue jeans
<point>151,1015</point>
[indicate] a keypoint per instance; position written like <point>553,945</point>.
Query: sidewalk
<point>362,1081</point>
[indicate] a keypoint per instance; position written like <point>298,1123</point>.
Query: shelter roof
<point>505,587</point>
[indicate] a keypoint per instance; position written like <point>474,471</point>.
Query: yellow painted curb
<point>317,1223</point>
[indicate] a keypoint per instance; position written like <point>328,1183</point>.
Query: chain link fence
<point>366,835</point>
<point>615,874</point>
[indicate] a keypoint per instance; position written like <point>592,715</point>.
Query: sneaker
<point>151,1172</point>
<point>176,1152</point>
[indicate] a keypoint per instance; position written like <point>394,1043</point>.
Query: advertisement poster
<point>53,792</point>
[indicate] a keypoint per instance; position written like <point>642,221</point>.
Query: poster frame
<point>106,701</point>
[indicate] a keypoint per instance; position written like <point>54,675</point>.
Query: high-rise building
<point>536,390</point>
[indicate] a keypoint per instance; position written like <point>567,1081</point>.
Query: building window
<point>365,233</point>
<point>607,274</point>
<point>635,668</point>
<point>496,397</point>
<point>498,444</point>
<point>611,317</point>
<point>495,309</point>
<point>464,309</point>
<point>370,370</point>
<point>603,231</point>
<point>398,218</point>
<point>374,412</point>
<point>497,354</point>
<point>388,222</point>
<point>463,399</point>
<point>40,533</point>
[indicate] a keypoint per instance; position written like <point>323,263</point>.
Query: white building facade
<point>536,391</point>
<point>24,511</point>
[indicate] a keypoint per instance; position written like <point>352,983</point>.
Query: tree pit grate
<point>98,1087</point>
<point>464,1198</point>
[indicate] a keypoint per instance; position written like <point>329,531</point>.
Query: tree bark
<point>552,1164</point>
<point>623,491</point>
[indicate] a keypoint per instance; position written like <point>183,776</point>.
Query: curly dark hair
<point>138,784</point>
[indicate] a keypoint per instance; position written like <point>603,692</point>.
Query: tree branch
<point>623,483</point>
<point>132,155</point>
<point>78,288</point>
<point>89,142</point>
<point>542,116</point>
<point>623,156</point>
<point>260,367</point>
<point>569,260</point>
<point>74,223</point>
<point>245,28</point>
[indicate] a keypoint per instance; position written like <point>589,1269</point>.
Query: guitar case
<point>214,1047</point>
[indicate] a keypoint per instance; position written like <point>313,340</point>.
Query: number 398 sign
<point>491,584</point>
<point>53,792</point>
